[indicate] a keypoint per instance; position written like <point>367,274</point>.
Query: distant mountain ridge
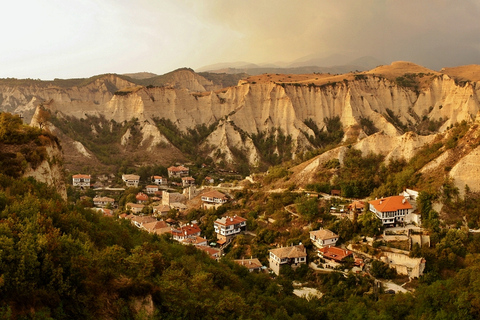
<point>260,121</point>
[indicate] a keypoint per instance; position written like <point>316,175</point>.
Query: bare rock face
<point>261,107</point>
<point>467,172</point>
<point>50,171</point>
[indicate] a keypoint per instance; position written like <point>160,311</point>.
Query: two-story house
<point>228,227</point>
<point>294,256</point>
<point>81,180</point>
<point>103,201</point>
<point>151,189</point>
<point>392,210</point>
<point>179,171</point>
<point>213,199</point>
<point>158,180</point>
<point>188,181</point>
<point>134,207</point>
<point>131,180</point>
<point>323,237</point>
<point>186,231</point>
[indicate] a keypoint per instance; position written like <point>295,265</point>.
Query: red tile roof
<point>249,263</point>
<point>212,252</point>
<point>391,204</point>
<point>335,253</point>
<point>141,197</point>
<point>187,230</point>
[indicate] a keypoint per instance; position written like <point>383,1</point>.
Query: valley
<point>150,195</point>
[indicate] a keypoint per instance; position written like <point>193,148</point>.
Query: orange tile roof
<point>187,230</point>
<point>81,176</point>
<point>335,253</point>
<point>391,204</point>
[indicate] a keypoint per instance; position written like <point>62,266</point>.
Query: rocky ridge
<point>267,104</point>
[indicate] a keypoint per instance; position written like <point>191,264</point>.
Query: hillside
<point>270,117</point>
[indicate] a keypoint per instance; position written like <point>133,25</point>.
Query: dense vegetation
<point>21,146</point>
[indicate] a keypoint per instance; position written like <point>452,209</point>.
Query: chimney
<point>403,201</point>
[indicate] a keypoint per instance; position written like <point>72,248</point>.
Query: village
<point>160,207</point>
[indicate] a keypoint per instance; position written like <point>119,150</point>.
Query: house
<point>195,241</point>
<point>356,206</point>
<point>141,197</point>
<point>179,171</point>
<point>213,199</point>
<point>81,180</point>
<point>151,189</point>
<point>214,253</point>
<point>131,180</point>
<point>103,201</point>
<point>228,227</point>
<point>158,227</point>
<point>134,207</point>
<point>161,210</point>
<point>158,180</point>
<point>209,180</point>
<point>392,210</point>
<point>334,254</point>
<point>323,237</point>
<point>294,256</point>
<point>250,264</point>
<point>186,231</point>
<point>140,221</point>
<point>188,181</point>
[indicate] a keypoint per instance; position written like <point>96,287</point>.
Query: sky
<point>47,39</point>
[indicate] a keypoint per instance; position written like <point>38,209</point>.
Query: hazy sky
<point>49,39</point>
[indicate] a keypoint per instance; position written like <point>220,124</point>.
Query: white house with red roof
<point>186,231</point>
<point>391,210</point>
<point>323,237</point>
<point>151,188</point>
<point>179,171</point>
<point>334,254</point>
<point>228,227</point>
<point>158,180</point>
<point>213,199</point>
<point>81,180</point>
<point>188,181</point>
<point>294,256</point>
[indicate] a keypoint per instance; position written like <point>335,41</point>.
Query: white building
<point>214,199</point>
<point>228,227</point>
<point>392,210</point>
<point>323,237</point>
<point>131,180</point>
<point>294,256</point>
<point>81,180</point>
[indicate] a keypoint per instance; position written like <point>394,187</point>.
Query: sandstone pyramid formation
<point>396,99</point>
